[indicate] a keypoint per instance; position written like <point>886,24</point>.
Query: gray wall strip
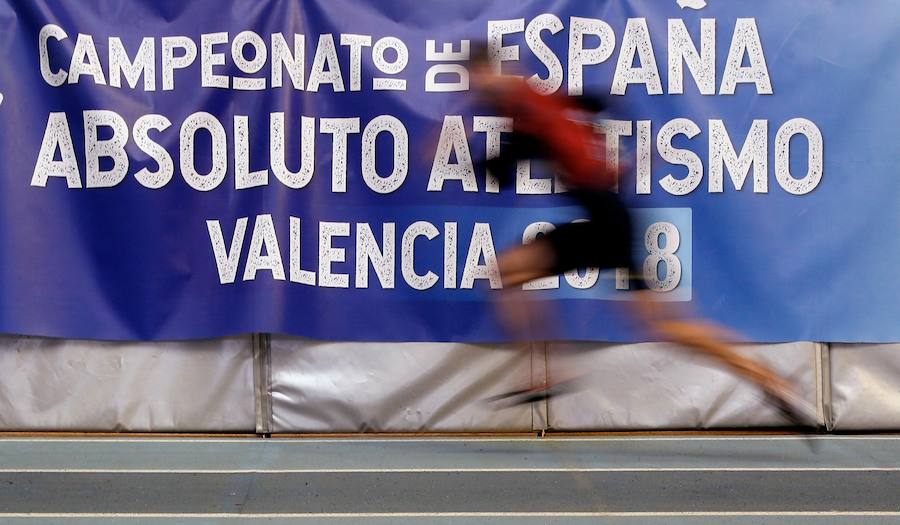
<point>539,416</point>
<point>824,363</point>
<point>262,382</point>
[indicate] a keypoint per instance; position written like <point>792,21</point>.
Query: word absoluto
<point>279,61</point>
<point>335,239</point>
<point>452,163</point>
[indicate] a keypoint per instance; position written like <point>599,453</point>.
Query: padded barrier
<point>865,386</point>
<point>656,385</point>
<point>350,387</point>
<point>286,384</point>
<point>396,387</point>
<point>66,385</point>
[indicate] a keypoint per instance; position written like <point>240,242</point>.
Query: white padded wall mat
<point>396,387</point>
<point>287,384</point>
<point>865,386</point>
<point>66,385</point>
<point>660,386</point>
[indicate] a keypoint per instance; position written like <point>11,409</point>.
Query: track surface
<point>621,480</point>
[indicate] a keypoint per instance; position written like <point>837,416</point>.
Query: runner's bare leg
<point>525,263</point>
<point>521,315</point>
<point>706,338</point>
<point>522,264</point>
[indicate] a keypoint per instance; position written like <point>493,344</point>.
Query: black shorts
<point>604,241</point>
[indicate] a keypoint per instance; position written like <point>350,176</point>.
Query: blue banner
<point>174,170</point>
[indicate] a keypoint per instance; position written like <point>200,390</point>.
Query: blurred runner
<point>558,129</point>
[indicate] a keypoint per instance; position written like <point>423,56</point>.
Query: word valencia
<point>335,239</point>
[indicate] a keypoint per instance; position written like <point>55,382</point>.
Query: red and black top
<point>574,146</point>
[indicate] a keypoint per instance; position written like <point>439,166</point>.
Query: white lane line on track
<point>338,441</point>
<point>438,470</point>
<point>453,514</point>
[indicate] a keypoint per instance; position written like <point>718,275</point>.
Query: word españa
<point>452,163</point>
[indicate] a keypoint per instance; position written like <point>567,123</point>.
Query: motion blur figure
<point>557,129</point>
